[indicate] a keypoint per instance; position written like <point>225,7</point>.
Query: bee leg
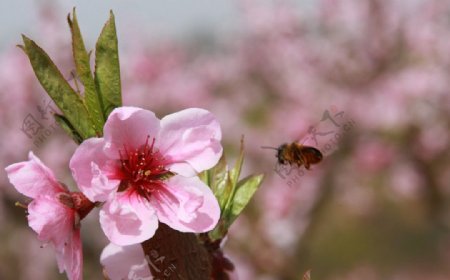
<point>307,165</point>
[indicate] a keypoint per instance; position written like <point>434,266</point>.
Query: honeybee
<point>295,153</point>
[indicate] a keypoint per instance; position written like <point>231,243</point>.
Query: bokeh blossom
<point>144,169</point>
<point>51,213</point>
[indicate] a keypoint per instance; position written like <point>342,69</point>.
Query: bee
<point>295,153</point>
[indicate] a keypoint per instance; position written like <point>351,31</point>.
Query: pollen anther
<point>143,169</point>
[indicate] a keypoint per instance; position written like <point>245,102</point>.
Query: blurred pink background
<point>368,79</point>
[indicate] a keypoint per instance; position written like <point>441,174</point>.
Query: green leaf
<point>225,193</point>
<point>204,176</point>
<point>81,58</point>
<point>107,69</point>
<point>51,79</point>
<point>220,182</point>
<point>218,175</point>
<point>236,171</point>
<point>233,177</point>
<point>232,195</point>
<point>68,128</point>
<point>245,190</point>
<point>219,232</point>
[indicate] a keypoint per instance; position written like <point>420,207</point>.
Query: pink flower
<point>144,170</point>
<point>125,262</point>
<point>52,213</point>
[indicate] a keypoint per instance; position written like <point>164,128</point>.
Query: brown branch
<point>175,255</point>
<point>222,267</point>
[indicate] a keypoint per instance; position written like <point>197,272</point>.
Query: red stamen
<point>143,169</point>
<point>21,205</point>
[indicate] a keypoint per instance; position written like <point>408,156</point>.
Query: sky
<point>161,18</point>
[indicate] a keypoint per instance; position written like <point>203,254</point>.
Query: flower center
<point>143,169</point>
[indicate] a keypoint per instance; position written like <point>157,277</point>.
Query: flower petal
<point>193,136</point>
<point>128,219</point>
<point>51,220</point>
<point>187,205</point>
<point>129,127</point>
<point>93,171</point>
<point>125,262</point>
<point>32,178</point>
<point>70,256</point>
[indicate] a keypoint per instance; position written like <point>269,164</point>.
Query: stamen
<point>143,169</point>
<point>18,204</point>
